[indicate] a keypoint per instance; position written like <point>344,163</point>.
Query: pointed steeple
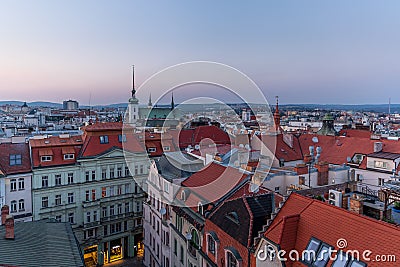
<point>172,102</point>
<point>277,117</point>
<point>133,82</point>
<point>150,104</point>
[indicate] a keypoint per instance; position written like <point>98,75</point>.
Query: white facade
<point>18,196</point>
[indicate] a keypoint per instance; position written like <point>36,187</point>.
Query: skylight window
<point>341,259</point>
<point>311,250</point>
<point>122,138</point>
<point>15,160</point>
<point>323,256</point>
<point>233,216</point>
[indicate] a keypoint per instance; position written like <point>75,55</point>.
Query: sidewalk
<point>131,262</point>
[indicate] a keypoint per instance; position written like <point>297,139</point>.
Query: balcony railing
<point>122,216</point>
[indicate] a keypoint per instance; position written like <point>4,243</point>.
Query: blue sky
<point>343,52</point>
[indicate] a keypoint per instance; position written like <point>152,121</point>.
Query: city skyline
<point>314,52</point>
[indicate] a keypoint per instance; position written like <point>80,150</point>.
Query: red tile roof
<point>185,137</point>
<point>92,146</point>
<point>8,149</point>
<point>329,223</point>
<point>56,147</point>
<point>355,133</point>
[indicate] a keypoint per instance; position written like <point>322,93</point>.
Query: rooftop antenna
<point>389,105</point>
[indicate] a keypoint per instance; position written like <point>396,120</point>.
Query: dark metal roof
<point>40,243</point>
<point>384,155</point>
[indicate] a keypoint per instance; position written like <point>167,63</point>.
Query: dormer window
<point>152,149</point>
<point>15,160</point>
<point>69,156</point>
<point>183,195</point>
<point>233,216</point>
<point>200,208</point>
<point>122,138</point>
<point>104,139</point>
<point>46,158</point>
<point>166,148</point>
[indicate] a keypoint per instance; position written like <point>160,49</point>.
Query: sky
<point>330,52</point>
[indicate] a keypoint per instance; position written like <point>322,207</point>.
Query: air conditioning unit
<point>335,198</point>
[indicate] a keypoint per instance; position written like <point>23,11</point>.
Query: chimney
<point>301,169</point>
<point>9,227</point>
<point>378,146</point>
<point>5,211</point>
<point>323,173</point>
<point>356,204</point>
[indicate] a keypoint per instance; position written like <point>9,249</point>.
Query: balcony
<point>91,224</point>
<point>122,216</point>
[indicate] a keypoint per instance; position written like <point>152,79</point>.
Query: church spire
<point>150,104</point>
<point>133,82</point>
<point>172,102</point>
<point>277,117</point>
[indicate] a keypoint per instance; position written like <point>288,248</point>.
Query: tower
<point>277,117</point>
<point>172,102</point>
<point>150,105</point>
<point>133,106</point>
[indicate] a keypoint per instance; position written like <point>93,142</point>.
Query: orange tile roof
<point>329,223</point>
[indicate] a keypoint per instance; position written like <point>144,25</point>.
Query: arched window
<point>231,260</point>
<point>200,208</point>
<point>21,205</point>
<point>195,238</point>
<point>14,206</point>
<point>183,195</point>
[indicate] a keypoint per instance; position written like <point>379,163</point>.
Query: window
<point>88,217</point>
<point>58,200</point>
<point>179,223</point>
<point>119,208</point>
<point>58,218</point>
<point>356,263</point>
<point>127,188</point>
<point>21,184</point>
<point>69,156</point>
<point>111,191</point>
<point>136,170</point>
<point>127,172</point>
<point>323,256</point>
<point>211,244</point>
<point>175,247</point>
<point>21,205</point>
<point>302,180</point>
<point>230,260</point>
<point>152,149</point>
<point>15,160</point>
<point>45,181</point>
<point>70,178</point>
<point>93,194</point>
<point>70,197</point>
<point>95,215</point>
<point>312,248</point>
<point>341,260</point>
<point>200,208</point>
<point>137,207</point>
<point>93,175</point>
<point>13,206</point>
<point>380,164</point>
<point>87,175</point>
<point>166,148</point>
<point>112,172</point>
<point>119,189</point>
<point>381,181</point>
<point>46,158</point>
<point>45,202</point>
<point>105,229</point>
<point>57,179</point>
<point>122,138</point>
<point>104,173</point>
<point>112,210</point>
<point>119,172</point>
<point>87,194</point>
<point>104,139</point>
<point>182,256</point>
<point>71,217</point>
<point>104,212</point>
<point>166,187</point>
<point>277,189</point>
<point>141,169</point>
<point>126,207</point>
<point>13,185</point>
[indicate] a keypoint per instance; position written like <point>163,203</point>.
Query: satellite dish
<point>197,147</point>
<point>315,139</point>
<point>163,211</point>
<point>254,188</point>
